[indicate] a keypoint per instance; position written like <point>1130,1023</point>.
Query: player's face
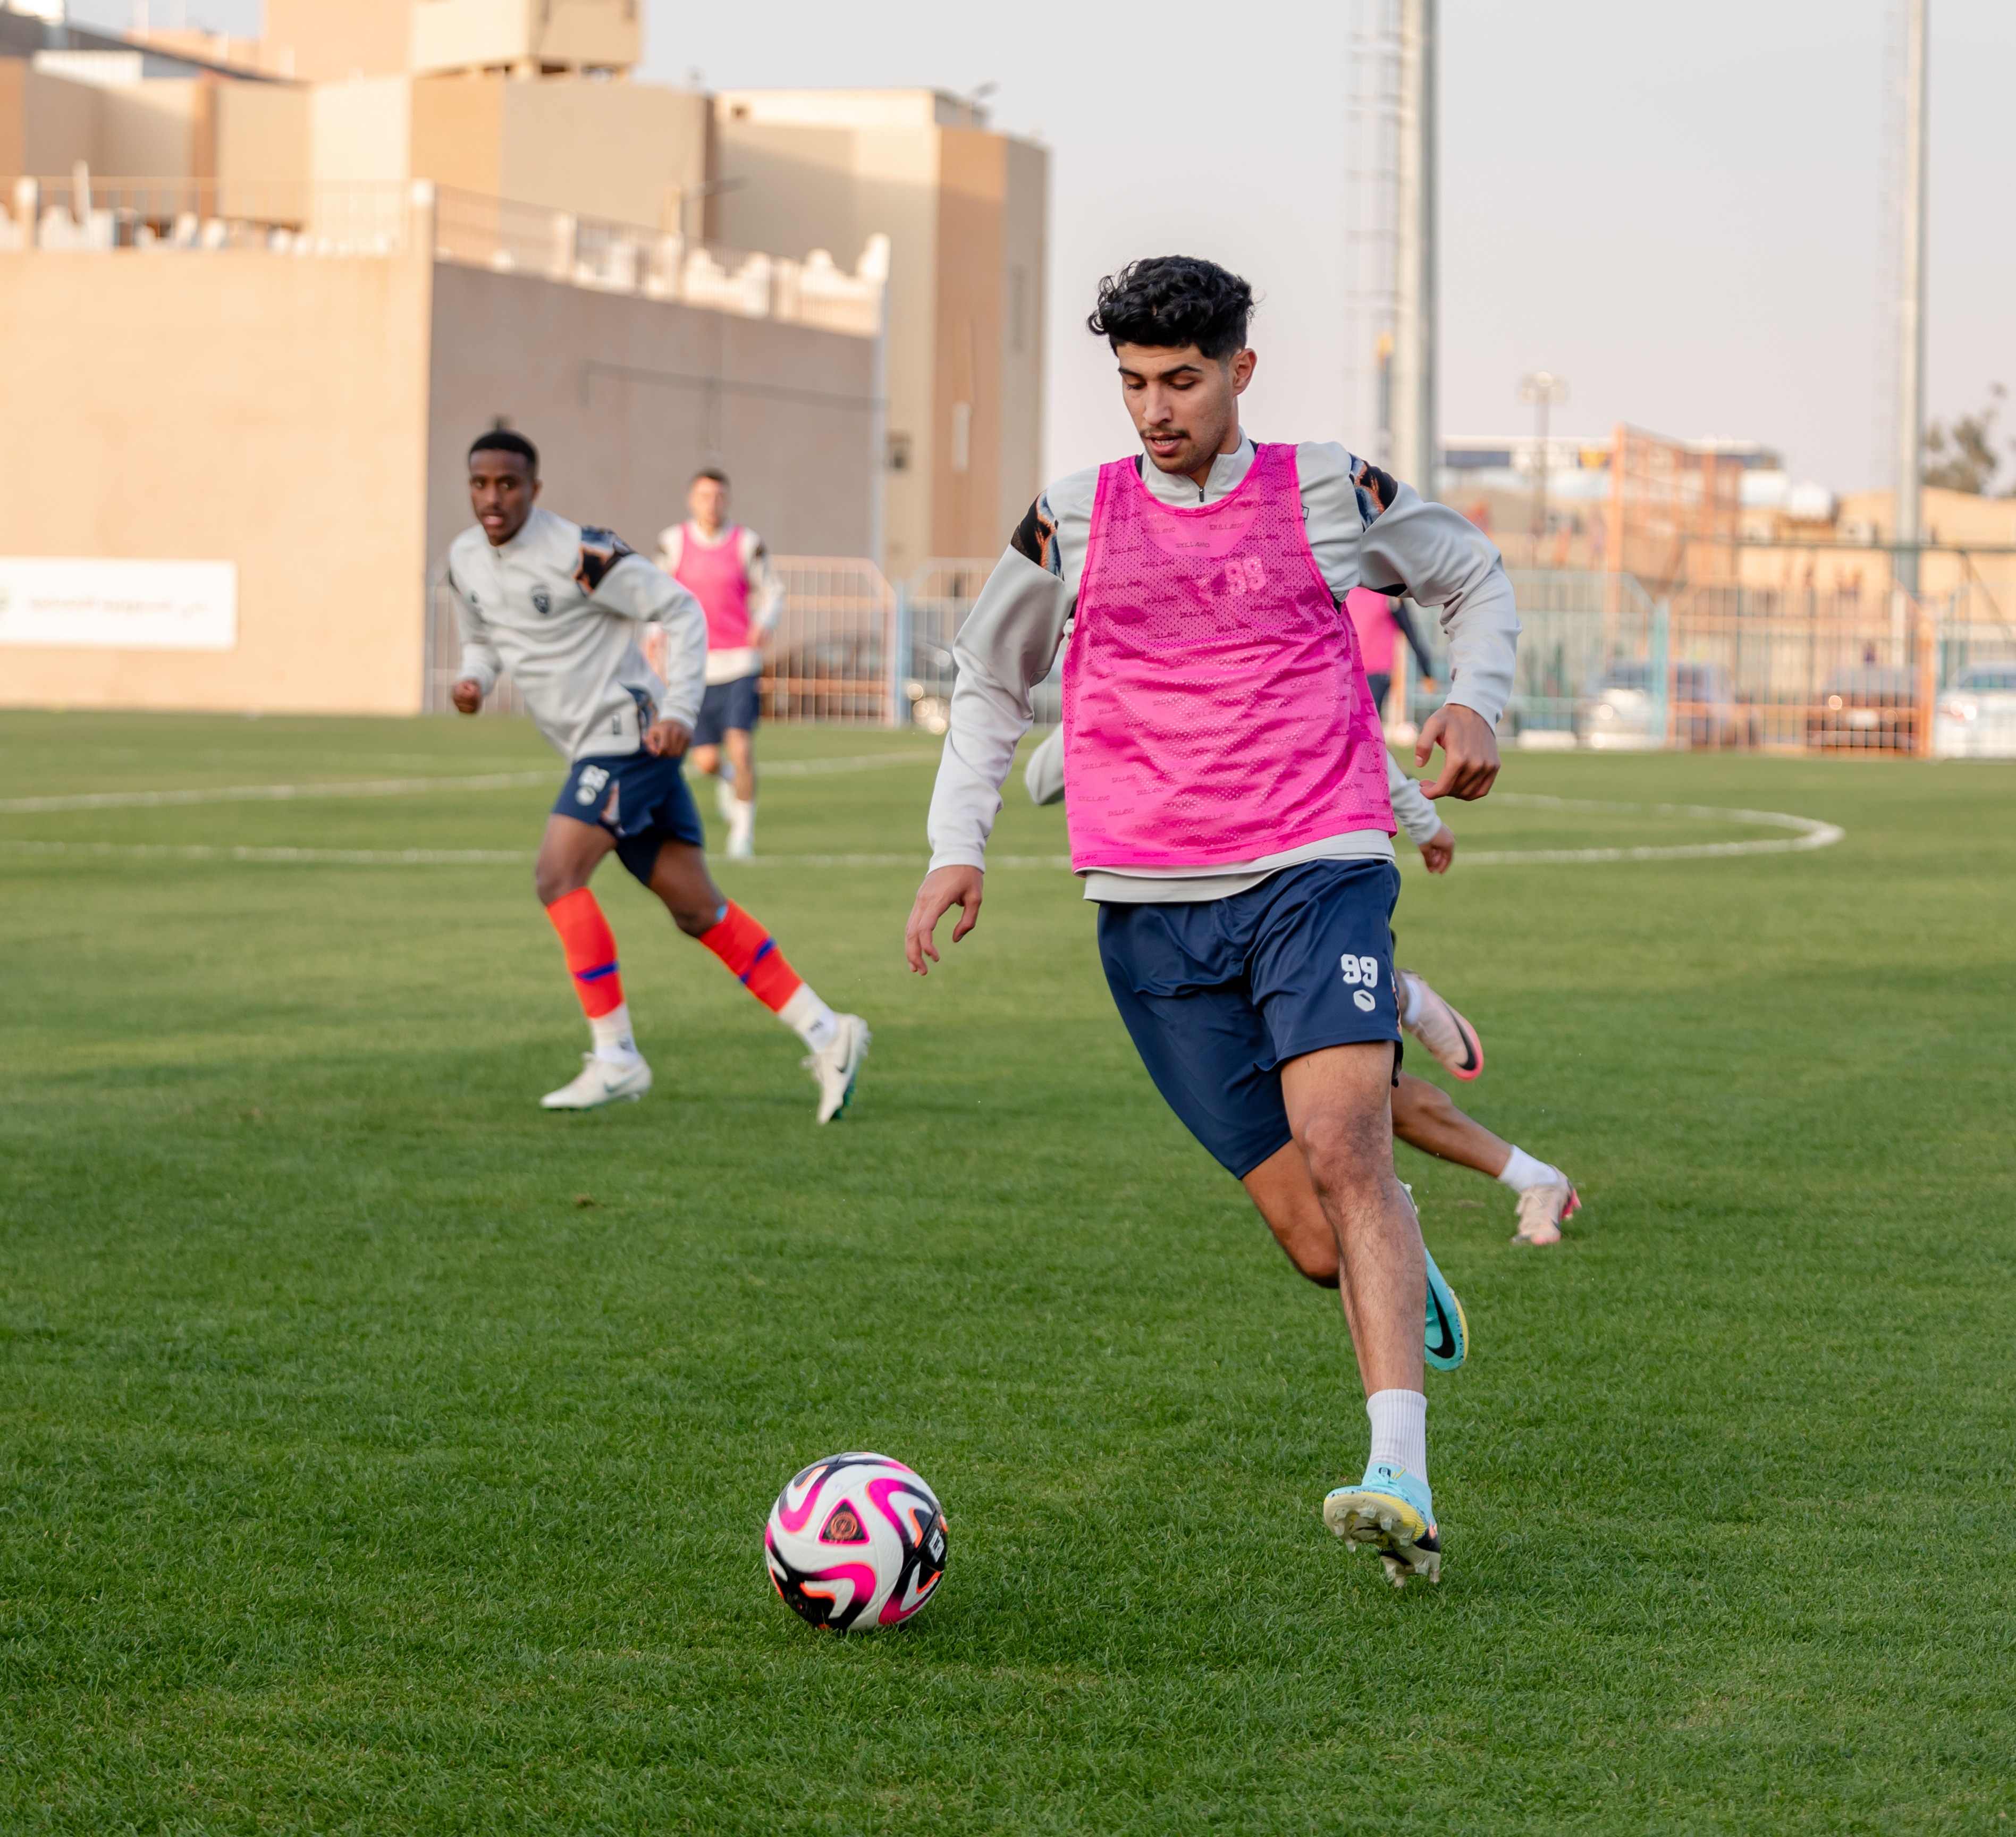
<point>708,502</point>
<point>1185,404</point>
<point>501,490</point>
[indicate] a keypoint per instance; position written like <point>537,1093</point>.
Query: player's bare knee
<point>1346,1159</point>
<point>553,880</point>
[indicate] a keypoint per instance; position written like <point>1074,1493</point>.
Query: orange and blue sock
<point>590,947</point>
<point>751,953</point>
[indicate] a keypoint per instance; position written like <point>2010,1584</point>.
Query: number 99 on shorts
<point>1360,971</point>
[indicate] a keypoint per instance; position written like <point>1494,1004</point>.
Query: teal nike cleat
<point>1445,1336</point>
<point>1391,1511</point>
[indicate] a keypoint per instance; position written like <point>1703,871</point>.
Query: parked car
<point>1707,709</point>
<point>1622,714</point>
<point>1871,708</point>
<point>1976,717</point>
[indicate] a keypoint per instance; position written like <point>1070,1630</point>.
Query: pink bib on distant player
<point>715,578</point>
<point>1214,709</point>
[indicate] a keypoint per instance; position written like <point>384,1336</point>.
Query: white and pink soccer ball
<point>855,1542</point>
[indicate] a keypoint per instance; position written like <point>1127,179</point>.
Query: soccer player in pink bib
<point>1228,806</point>
<point>727,569</point>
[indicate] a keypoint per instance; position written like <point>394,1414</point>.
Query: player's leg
<point>1286,1196</point>
<point>569,854</point>
<point>837,1043</point>
<point>705,753</point>
<point>1425,1117</point>
<point>1336,1100</point>
<point>742,814</point>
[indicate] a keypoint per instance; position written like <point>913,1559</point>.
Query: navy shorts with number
<point>726,705</point>
<point>1216,993</point>
<point>640,798</point>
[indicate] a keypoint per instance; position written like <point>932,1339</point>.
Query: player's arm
<point>1003,651</point>
<point>480,664</point>
<point>766,588</point>
<point>1420,818</point>
<point>1436,557</point>
<point>620,581</point>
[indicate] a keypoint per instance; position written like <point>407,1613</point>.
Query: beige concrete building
<point>290,406</point>
<point>965,208</point>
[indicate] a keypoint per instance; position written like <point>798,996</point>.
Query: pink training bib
<point>1214,709</point>
<point>1372,618</point>
<point>714,578</point>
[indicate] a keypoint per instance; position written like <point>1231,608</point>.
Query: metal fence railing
<point>1601,665</point>
<point>85,212</point>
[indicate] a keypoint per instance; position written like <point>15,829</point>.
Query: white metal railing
<point>85,213</point>
<point>509,237</point>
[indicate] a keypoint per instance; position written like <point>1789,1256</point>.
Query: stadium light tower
<point>1415,457</point>
<point>1911,306</point>
<point>1542,388</point>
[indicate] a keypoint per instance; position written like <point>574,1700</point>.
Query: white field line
<point>399,787</point>
<point>349,857</point>
<point>1812,833</point>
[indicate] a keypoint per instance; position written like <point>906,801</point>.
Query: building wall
<point>966,210</point>
<point>600,149</point>
<point>606,386</point>
<point>264,132</point>
<point>360,130</point>
<point>332,40</point>
<point>234,407</point>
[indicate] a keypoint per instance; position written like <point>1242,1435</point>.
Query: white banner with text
<point>104,605</point>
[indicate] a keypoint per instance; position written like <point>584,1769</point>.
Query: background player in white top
<point>1422,1115</point>
<point>727,569</point>
<point>562,608</point>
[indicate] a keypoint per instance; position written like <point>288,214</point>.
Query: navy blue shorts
<point>726,705</point>
<point>640,798</point>
<point>1216,993</point>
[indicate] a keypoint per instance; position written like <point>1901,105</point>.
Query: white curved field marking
<point>348,857</point>
<point>397,788</point>
<point>1812,833</point>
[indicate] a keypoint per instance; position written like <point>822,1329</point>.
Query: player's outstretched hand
<point>1439,850</point>
<point>1470,752</point>
<point>667,740</point>
<point>944,887</point>
<point>467,696</point>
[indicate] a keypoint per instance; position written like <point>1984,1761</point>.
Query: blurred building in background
<point>260,294</point>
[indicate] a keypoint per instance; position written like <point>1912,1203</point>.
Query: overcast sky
<point>1679,208</point>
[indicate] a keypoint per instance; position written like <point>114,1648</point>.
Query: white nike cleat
<point>600,1082</point>
<point>1543,1210</point>
<point>1444,1031</point>
<point>839,1065</point>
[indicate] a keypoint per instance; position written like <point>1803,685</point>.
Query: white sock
<point>1523,1171</point>
<point>742,819</point>
<point>612,1038</point>
<point>810,1018</point>
<point>1412,1011</point>
<point>1400,1430</point>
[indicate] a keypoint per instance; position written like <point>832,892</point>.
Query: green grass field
<point>382,1455</point>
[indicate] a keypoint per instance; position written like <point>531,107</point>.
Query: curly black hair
<point>502,440</point>
<point>1171,301</point>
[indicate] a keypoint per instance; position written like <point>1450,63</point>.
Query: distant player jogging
<point>564,609</point>
<point>727,569</point>
<point>1230,811</point>
<point>1423,1117</point>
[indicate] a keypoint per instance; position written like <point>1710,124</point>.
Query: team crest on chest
<point>542,602</point>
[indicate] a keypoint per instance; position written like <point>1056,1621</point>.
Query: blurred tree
<point>1963,454</point>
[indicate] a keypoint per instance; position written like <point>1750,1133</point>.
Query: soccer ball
<point>855,1542</point>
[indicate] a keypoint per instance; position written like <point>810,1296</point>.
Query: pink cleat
<point>1444,1031</point>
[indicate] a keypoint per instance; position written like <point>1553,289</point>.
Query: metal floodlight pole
<point>1911,307</point>
<point>1542,388</point>
<point>1415,458</point>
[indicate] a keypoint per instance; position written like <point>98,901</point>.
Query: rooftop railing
<point>85,213</point>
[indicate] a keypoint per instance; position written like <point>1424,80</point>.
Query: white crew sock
<point>1410,1011</point>
<point>613,1041</point>
<point>1400,1430</point>
<point>742,820</point>
<point>1523,1171</point>
<point>724,793</point>
<point>810,1018</point>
